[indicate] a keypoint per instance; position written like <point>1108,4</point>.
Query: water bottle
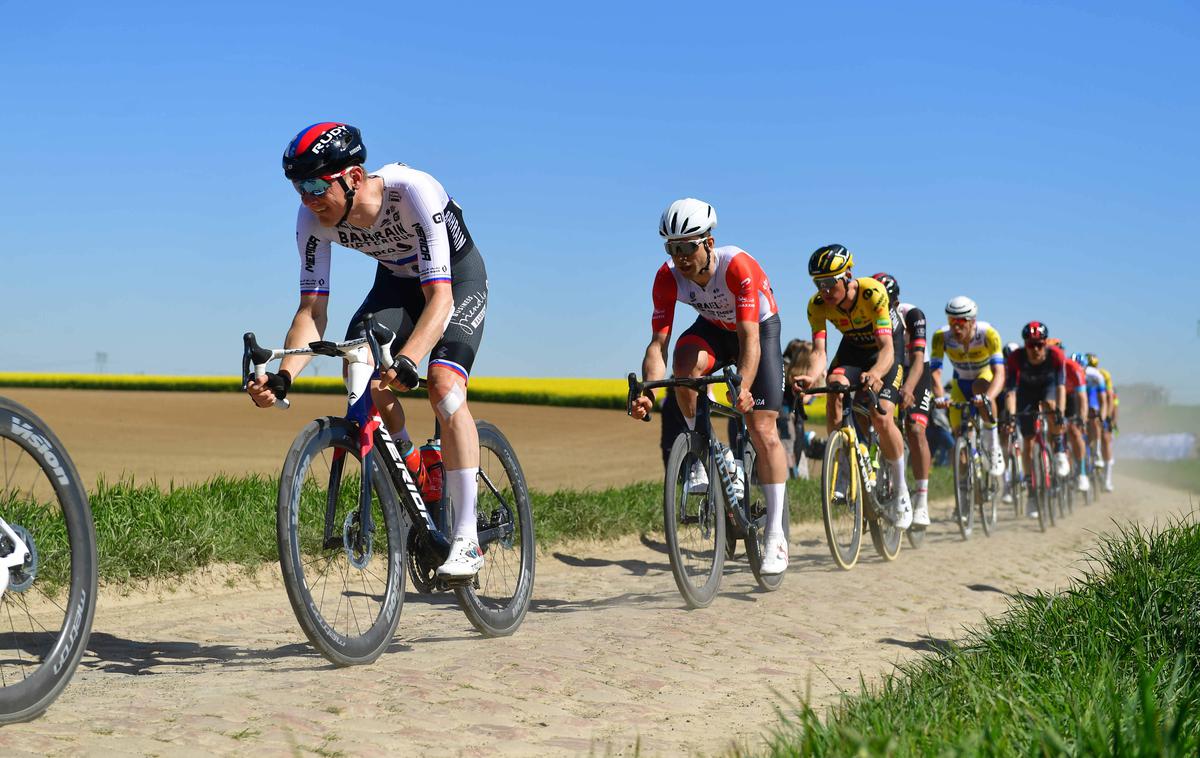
<point>413,462</point>
<point>431,459</point>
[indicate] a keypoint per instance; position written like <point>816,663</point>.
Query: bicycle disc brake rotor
<point>358,544</point>
<point>20,578</point>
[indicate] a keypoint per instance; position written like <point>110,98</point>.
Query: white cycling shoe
<point>466,559</point>
<point>901,511</point>
<point>1062,465</point>
<point>775,558</point>
<point>920,515</point>
<point>996,461</point>
<point>1083,484</point>
<point>697,483</point>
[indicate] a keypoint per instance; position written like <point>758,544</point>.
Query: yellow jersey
<point>973,360</point>
<point>870,315</point>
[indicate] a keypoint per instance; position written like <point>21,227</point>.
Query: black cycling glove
<point>406,371</point>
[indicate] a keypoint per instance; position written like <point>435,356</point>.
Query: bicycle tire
<point>1016,481</point>
<point>694,526</point>
<point>843,518</point>
<point>303,511</point>
<point>1040,481</point>
<point>964,506</point>
<point>988,498</point>
<point>38,654</point>
<point>756,544</point>
<point>498,598</point>
<point>885,537</point>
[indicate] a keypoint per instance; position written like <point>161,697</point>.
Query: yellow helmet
<point>831,260</point>
<point>1093,360</point>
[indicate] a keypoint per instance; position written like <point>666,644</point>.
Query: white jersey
<point>417,233</point>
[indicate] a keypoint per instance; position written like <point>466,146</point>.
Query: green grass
<point>146,532</point>
<point>1109,667</point>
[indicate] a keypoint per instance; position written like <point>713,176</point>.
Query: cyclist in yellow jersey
<point>868,353</point>
<point>1109,424</point>
<point>976,351</point>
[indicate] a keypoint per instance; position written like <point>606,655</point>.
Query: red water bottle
<point>431,459</point>
<point>413,462</point>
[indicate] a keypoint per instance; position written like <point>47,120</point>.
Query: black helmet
<point>891,285</point>
<point>831,260</point>
<point>323,149</point>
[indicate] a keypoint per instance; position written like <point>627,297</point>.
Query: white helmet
<point>688,217</point>
<point>962,307</point>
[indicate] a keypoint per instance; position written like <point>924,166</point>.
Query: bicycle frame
<point>863,474</point>
<point>361,356</point>
<point>705,409</point>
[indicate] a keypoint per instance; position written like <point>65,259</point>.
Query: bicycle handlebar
<point>991,417</point>
<point>849,389</point>
<point>730,377</point>
<point>378,340</point>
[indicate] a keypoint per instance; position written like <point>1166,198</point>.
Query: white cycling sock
<point>994,436</point>
<point>691,422</point>
<point>404,435</point>
<point>922,489</point>
<point>776,496</point>
<point>463,489</point>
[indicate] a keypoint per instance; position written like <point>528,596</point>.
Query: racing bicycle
<point>974,486</point>
<point>702,527</point>
<point>350,518</point>
<point>48,566</point>
<point>854,484</point>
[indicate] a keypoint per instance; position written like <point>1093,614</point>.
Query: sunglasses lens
<point>315,187</point>
<point>825,284</point>
<point>682,249</point>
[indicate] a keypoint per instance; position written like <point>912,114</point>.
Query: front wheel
<point>343,565</point>
<point>964,487</point>
<point>885,536</point>
<point>987,489</point>
<point>49,594</point>
<point>695,526</point>
<point>841,501</point>
<point>1016,480</point>
<point>498,598</point>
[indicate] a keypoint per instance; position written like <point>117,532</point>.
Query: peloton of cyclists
<point>1110,423</point>
<point>916,395</point>
<point>430,289</point>
<point>738,323</point>
<point>869,353</point>
<point>975,351</point>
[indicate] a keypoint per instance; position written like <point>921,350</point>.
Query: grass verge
<point>1109,667</point>
<point>146,532</point>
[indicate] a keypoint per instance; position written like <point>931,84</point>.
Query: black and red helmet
<point>891,285</point>
<point>1035,331</point>
<point>323,149</point>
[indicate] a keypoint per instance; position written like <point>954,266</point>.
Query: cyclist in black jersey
<point>916,394</point>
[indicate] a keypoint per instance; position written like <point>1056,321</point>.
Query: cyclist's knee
<point>447,392</point>
<point>691,360</point>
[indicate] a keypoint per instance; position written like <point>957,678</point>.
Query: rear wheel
<point>343,565</point>
<point>885,536</point>
<point>1016,480</point>
<point>1039,478</point>
<point>964,490</point>
<point>694,525</point>
<point>841,501</point>
<point>987,489</point>
<point>49,593</point>
<point>497,599</point>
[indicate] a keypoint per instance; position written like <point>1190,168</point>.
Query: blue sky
<point>1038,156</point>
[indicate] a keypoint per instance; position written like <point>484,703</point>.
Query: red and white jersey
<point>738,291</point>
<point>417,233</point>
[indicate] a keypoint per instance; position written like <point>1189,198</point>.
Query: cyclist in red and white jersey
<point>430,289</point>
<point>738,324</point>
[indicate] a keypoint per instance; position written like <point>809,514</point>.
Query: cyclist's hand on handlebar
<point>642,405</point>
<point>941,401</point>
<point>906,399</point>
<point>744,402</point>
<point>801,383</point>
<point>402,375</point>
<point>870,381</point>
<point>264,392</point>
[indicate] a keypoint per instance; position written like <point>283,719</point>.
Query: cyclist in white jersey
<point>739,324</point>
<point>430,289</point>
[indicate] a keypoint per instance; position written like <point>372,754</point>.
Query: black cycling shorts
<point>851,361</point>
<point>398,302</point>
<point>922,398</point>
<point>1030,399</point>
<point>722,347</point>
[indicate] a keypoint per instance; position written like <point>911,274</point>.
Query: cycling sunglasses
<point>318,185</point>
<point>827,283</point>
<point>1035,344</point>
<point>682,248</point>
<point>960,321</point>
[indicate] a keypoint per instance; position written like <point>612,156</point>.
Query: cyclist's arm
<point>997,383</point>
<point>916,363</point>
<point>308,325</point>
<point>749,352</point>
<point>887,354</point>
<point>935,363</point>
<point>815,368</point>
<point>654,365</point>
<point>996,348</point>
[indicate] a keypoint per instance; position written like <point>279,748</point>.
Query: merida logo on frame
<point>43,448</point>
